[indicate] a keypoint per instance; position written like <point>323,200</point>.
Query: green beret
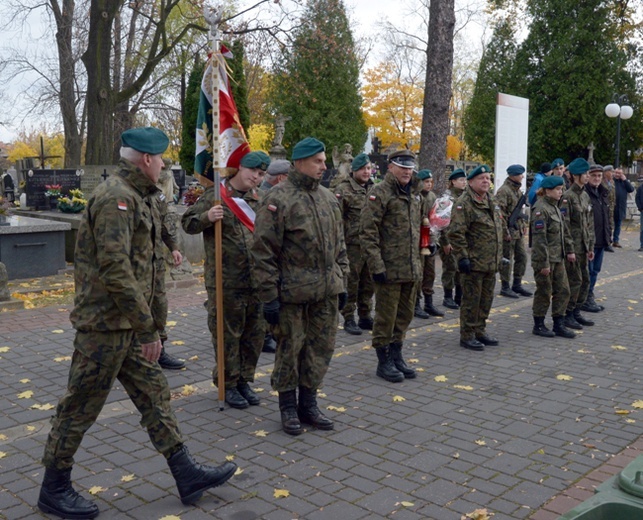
<point>307,148</point>
<point>360,161</point>
<point>424,175</point>
<point>402,158</point>
<point>457,174</point>
<point>259,160</point>
<point>483,168</point>
<point>578,166</point>
<point>515,169</point>
<point>145,140</point>
<point>551,182</point>
<point>557,162</point>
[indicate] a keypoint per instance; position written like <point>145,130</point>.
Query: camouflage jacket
<point>576,208</point>
<point>352,198</point>
<point>299,245</point>
<point>428,200</point>
<point>390,231</point>
<point>547,234</point>
<point>454,194</point>
<point>475,231</point>
<point>115,260</point>
<point>236,240</point>
<point>507,197</point>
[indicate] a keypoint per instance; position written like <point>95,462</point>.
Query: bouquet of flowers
<point>53,190</point>
<point>75,202</point>
<point>440,214</point>
<point>193,194</point>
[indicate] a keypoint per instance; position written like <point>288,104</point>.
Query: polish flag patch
<point>272,207</point>
<point>372,197</point>
<point>122,205</point>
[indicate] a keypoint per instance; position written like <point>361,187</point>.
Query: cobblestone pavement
<point>524,429</point>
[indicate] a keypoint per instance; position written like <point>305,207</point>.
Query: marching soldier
<point>475,233</point>
<point>576,209</point>
<point>351,194</point>
<point>511,201</point>
<point>301,266</point>
<point>450,274</point>
<point>547,259</point>
<point>390,231</point>
<point>243,328</point>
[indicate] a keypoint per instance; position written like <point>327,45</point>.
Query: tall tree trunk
<point>67,96</point>
<point>100,93</point>
<point>437,89</point>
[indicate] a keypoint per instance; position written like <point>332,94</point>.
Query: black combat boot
<point>580,319</point>
<point>288,407</point>
<point>506,291</point>
<point>170,362</point>
<point>429,308</point>
<point>386,368</point>
<point>235,399</point>
<point>309,412</point>
<point>560,329</point>
<point>248,393</point>
<point>269,344</point>
<point>419,312</point>
<point>458,295</point>
<point>590,305</point>
<point>570,322</point>
<point>472,344</point>
<point>448,300</point>
<point>540,329</point>
<point>58,497</point>
<point>365,323</point>
<point>351,327</point>
<point>192,478</point>
<point>518,288</point>
<point>395,350</point>
<point>488,341</point>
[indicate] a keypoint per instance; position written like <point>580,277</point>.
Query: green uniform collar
<point>303,181</point>
<point>136,178</point>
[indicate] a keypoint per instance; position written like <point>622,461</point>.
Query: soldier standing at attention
<point>475,233</point>
<point>547,257</point>
<point>243,328</point>
<point>390,231</point>
<point>301,266</point>
<point>351,194</point>
<point>450,274</point>
<point>513,246</point>
<point>576,208</point>
<point>428,261</point>
<point>116,335</point>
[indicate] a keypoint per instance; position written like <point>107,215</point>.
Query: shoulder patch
<point>162,197</point>
<point>122,205</point>
<point>372,197</point>
<point>537,213</point>
<point>272,207</point>
<point>338,195</point>
<point>539,224</point>
<point>458,207</point>
<point>563,211</point>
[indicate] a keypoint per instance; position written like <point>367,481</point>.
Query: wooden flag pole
<point>212,16</point>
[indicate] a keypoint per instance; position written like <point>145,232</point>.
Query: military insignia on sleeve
<point>372,197</point>
<point>162,197</point>
<point>122,205</point>
<point>338,195</point>
<point>272,207</point>
<point>563,211</point>
<point>539,224</point>
<point>458,207</point>
<point>538,213</point>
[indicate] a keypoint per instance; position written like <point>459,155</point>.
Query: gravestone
<point>38,180</point>
<point>93,176</point>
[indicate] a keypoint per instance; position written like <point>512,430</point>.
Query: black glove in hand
<point>271,311</point>
<point>464,266</point>
<point>342,298</point>
<point>432,250</point>
<point>380,277</point>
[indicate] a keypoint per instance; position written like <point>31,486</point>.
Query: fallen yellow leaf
<point>441,379</point>
<point>127,478</point>
<point>413,360</point>
<point>478,514</point>
<point>57,331</point>
<point>583,351</point>
<point>463,387</point>
<point>321,394</point>
<point>5,349</point>
<point>30,428</point>
<point>637,404</point>
<point>62,358</point>
<point>193,358</point>
<point>25,381</point>
<point>238,471</point>
<point>619,347</point>
<point>27,394</point>
<point>407,504</point>
<point>419,369</point>
<point>632,301</point>
<point>229,458</point>
<point>96,489</point>
<point>564,377</point>
<point>398,398</point>
<point>2,454</point>
<point>336,408</point>
<point>281,493</point>
<point>45,407</point>
<point>188,390</point>
<point>3,437</point>
<point>480,442</point>
<point>258,390</point>
<point>631,421</point>
<point>178,342</point>
<point>170,323</point>
<point>274,392</point>
<point>622,412</point>
<point>170,517</point>
<point>261,433</point>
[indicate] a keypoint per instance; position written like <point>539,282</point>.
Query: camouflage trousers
<point>552,288</point>
<point>428,274</point>
<point>100,358</point>
<point>578,280</point>
<point>450,274</point>
<point>158,308</point>
<point>360,286</point>
<point>305,338</point>
<point>243,333</point>
<point>394,305</point>
<point>514,251</point>
<point>477,297</point>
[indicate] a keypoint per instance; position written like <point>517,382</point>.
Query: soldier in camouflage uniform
<point>513,246</point>
<point>390,231</point>
<point>243,328</point>
<point>119,240</point>
<point>475,233</point>
<point>301,268</point>
<point>428,261</point>
<point>450,274</point>
<point>351,194</point>
<point>576,208</point>
<point>547,259</point>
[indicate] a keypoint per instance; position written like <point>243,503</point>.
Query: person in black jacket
<point>599,197</point>
<point>621,187</point>
<point>639,205</point>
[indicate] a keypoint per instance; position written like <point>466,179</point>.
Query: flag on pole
<point>233,144</point>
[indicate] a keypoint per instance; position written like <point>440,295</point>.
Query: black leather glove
<point>432,250</point>
<point>271,311</point>
<point>342,298</point>
<point>464,266</point>
<point>380,277</point>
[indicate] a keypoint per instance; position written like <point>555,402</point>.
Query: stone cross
<point>590,157</point>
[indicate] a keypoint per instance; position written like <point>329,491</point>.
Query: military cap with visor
<point>402,158</point>
<point>145,140</point>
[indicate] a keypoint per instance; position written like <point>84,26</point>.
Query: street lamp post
<point>619,109</point>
